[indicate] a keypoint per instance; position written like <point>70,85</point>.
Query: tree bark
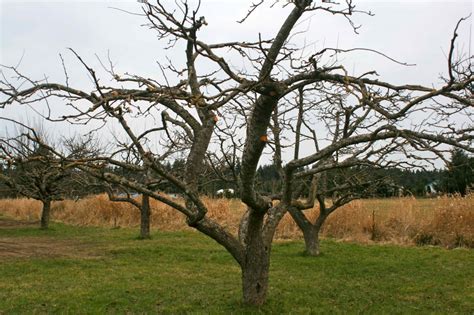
<point>45,214</point>
<point>145,214</point>
<point>310,230</point>
<point>256,263</point>
<point>311,236</point>
<point>311,241</point>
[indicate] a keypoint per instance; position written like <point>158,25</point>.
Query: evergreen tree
<point>460,173</point>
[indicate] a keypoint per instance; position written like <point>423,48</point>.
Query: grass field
<point>87,270</point>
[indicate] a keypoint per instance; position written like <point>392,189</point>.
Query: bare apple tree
<point>357,125</point>
<point>217,103</point>
<point>121,193</point>
<point>32,170</point>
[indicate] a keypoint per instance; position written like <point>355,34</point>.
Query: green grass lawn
<point>110,271</point>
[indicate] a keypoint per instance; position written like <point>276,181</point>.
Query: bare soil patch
<point>41,247</point>
<point>15,224</point>
<point>44,247</point>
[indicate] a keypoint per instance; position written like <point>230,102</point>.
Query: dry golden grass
<point>445,221</point>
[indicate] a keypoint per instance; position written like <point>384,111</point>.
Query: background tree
<point>120,193</point>
<point>217,105</point>
<point>33,171</point>
<point>142,204</point>
<point>460,173</point>
<point>331,189</point>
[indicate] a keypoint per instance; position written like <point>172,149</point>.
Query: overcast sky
<point>411,31</point>
<point>417,32</point>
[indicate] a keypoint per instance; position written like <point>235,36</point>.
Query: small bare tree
<point>218,103</point>
<point>120,193</point>
<point>333,186</point>
<point>33,171</point>
<point>143,205</point>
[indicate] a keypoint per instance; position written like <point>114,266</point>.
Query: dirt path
<point>15,224</point>
<point>41,246</point>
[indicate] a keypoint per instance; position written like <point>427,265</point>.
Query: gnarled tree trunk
<point>310,231</point>
<point>45,213</point>
<point>311,236</point>
<point>256,262</point>
<point>311,241</point>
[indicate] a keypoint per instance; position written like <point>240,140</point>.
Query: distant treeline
<point>457,178</point>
